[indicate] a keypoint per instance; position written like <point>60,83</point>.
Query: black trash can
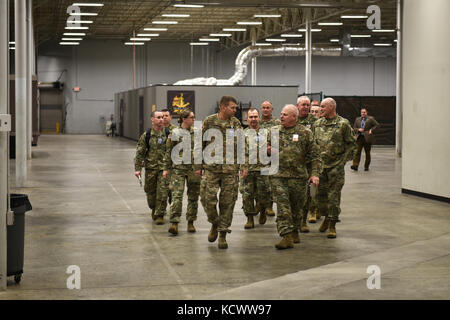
<point>16,236</point>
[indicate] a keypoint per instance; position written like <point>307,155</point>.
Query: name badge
<point>160,141</point>
<point>295,138</point>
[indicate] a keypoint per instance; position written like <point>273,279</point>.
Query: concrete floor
<point>89,211</point>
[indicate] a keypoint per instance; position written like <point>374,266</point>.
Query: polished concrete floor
<point>89,211</point>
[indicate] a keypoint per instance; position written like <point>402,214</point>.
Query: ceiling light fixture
<point>209,39</point>
<point>77,28</point>
<point>176,15</point>
<point>188,5</point>
<point>334,40</point>
<point>199,43</point>
<point>383,30</point>
<point>276,40</point>
<point>354,17</point>
<point>140,39</point>
<point>249,23</point>
<point>220,34</point>
<point>234,29</point>
<point>88,4</point>
<point>86,14</point>
<point>360,36</point>
<point>330,23</point>
<point>267,15</point>
<point>165,22</point>
<point>155,29</point>
<point>134,43</point>
<point>312,30</point>
<point>74,34</point>
<point>382,44</point>
<point>148,34</point>
<point>69,43</point>
<point>291,35</point>
<point>72,39</point>
<point>260,44</point>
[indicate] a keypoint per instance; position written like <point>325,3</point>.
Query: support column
<point>254,61</point>
<point>308,55</point>
<point>21,92</point>
<point>399,111</point>
<point>4,137</point>
<point>29,77</point>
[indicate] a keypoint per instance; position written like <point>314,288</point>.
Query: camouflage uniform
<point>267,125</point>
<point>180,175</point>
<point>166,182</point>
<point>255,186</point>
<point>337,144</point>
<point>297,149</point>
<point>152,159</point>
<point>220,176</point>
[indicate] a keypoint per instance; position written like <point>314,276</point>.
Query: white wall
<point>426,106</point>
<point>102,68</point>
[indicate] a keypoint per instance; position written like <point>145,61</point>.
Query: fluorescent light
<point>234,29</point>
<point>209,39</point>
<point>148,34</point>
<point>249,23</point>
<point>312,30</point>
<point>360,36</point>
<point>12,42</point>
<point>74,34</point>
<point>220,34</point>
<point>291,35</point>
<point>88,4</point>
<point>291,44</point>
<point>383,30</point>
<point>354,17</point>
<point>395,40</point>
<point>176,15</point>
<point>12,48</point>
<point>262,44</point>
<point>86,14</point>
<point>85,21</point>
<point>77,28</point>
<point>276,40</point>
<point>134,43</point>
<point>164,22</point>
<point>155,29</point>
<point>334,40</point>
<point>140,39</point>
<point>330,23</point>
<point>69,43</point>
<point>72,39</point>
<point>199,43</point>
<point>267,15</point>
<point>188,5</point>
<point>382,44</point>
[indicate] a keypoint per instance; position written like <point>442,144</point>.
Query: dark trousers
<point>361,143</point>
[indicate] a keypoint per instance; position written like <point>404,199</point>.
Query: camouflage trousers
<point>156,188</point>
<point>228,185</point>
<point>254,189</point>
<point>179,178</point>
<point>329,196</point>
<point>310,205</point>
<point>290,197</point>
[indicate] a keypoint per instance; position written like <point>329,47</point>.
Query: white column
<point>254,61</point>
<point>308,55</point>
<point>4,136</point>
<point>399,111</point>
<point>21,90</point>
<point>29,77</point>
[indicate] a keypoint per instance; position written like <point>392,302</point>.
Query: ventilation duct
<point>246,55</point>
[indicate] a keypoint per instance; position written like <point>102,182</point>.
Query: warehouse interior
<point>70,69</point>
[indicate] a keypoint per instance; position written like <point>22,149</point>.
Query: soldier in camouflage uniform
<point>182,173</point>
<point>168,126</point>
<point>313,208</point>
<point>336,140</point>
<point>296,150</point>
<point>306,119</point>
<point>219,174</point>
<point>254,187</point>
<point>267,122</point>
<point>151,157</point>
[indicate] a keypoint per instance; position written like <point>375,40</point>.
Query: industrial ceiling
<point>120,20</point>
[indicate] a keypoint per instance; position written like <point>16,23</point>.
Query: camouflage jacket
<point>308,121</point>
<point>269,124</point>
<point>170,144</point>
<point>296,150</point>
<point>336,141</point>
<point>226,127</point>
<point>151,159</point>
<point>172,126</point>
<point>253,140</point>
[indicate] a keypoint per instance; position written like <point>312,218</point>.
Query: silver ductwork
<point>246,55</point>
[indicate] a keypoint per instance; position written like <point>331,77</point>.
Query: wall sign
<point>178,101</point>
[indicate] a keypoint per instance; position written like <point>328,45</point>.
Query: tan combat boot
<point>318,214</point>
<point>262,217</point>
<point>250,223</point>
<point>285,243</point>
<point>159,221</point>
<point>332,230</point>
<point>223,240</point>
<point>304,227</point>
<point>295,236</point>
<point>174,229</point>
<point>312,217</point>
<point>213,234</point>
<point>325,224</point>
<point>191,228</point>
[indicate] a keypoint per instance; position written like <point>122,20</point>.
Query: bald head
<point>328,108</point>
<point>289,116</point>
<point>266,110</point>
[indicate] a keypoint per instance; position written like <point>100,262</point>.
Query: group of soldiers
<point>313,145</point>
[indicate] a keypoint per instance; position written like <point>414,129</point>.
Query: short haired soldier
<point>182,173</point>
<point>150,153</point>
<point>337,142</point>
<point>296,150</point>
